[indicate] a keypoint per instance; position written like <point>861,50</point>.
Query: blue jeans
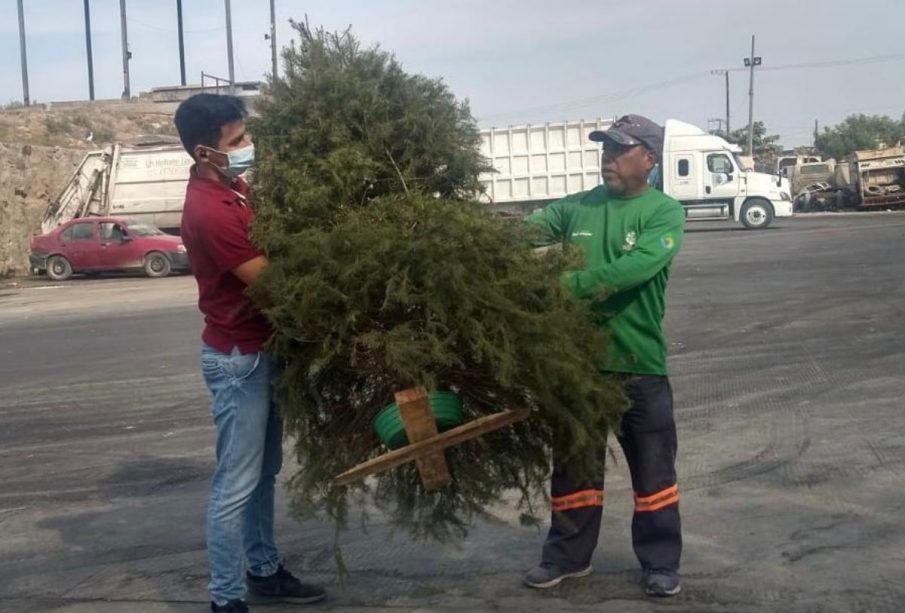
<point>249,456</point>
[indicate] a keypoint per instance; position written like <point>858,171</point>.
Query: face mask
<point>240,160</point>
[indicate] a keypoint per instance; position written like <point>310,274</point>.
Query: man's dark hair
<point>199,119</point>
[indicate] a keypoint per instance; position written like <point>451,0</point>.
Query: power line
<point>832,63</point>
<point>602,98</point>
<point>616,96</point>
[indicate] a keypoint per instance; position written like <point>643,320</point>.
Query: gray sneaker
<point>547,575</point>
<point>661,584</point>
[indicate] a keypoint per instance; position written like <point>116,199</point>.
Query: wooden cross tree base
<point>426,444</point>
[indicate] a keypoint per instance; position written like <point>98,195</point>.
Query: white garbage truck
<point>143,182</point>
<point>536,164</point>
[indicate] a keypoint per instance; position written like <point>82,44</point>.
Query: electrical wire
<point>602,98</point>
<point>616,96</point>
<point>873,59</point>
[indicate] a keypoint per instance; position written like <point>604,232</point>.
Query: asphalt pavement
<point>788,363</point>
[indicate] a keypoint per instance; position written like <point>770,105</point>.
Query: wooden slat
<point>460,434</point>
<point>420,424</point>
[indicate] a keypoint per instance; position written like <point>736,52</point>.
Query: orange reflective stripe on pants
<point>657,501</point>
<point>584,498</point>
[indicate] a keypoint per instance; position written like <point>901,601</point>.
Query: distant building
<point>178,93</point>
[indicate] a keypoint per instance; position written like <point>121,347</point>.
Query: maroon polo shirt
<point>215,225</point>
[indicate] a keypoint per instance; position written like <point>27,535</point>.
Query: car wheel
<point>757,214</point>
<point>58,268</point>
<point>156,265</point>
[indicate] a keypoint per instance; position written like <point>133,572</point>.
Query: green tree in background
<point>386,274</point>
<point>857,132</point>
<point>766,146</point>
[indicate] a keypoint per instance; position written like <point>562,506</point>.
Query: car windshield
<point>143,229</point>
<point>818,169</point>
<point>787,162</point>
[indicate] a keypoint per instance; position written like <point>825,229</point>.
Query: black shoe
<point>661,584</point>
<point>548,575</point>
<point>282,587</point>
<point>233,606</point>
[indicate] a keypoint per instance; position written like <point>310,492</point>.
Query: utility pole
<point>181,42</point>
<point>751,62</point>
<point>88,49</point>
<point>25,97</point>
<point>728,130</point>
<point>127,55</point>
<point>273,38</point>
<point>724,71</point>
<point>229,47</point>
<point>816,132</point>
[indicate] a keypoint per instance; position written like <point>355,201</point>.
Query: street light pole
<point>751,62</point>
<point>25,97</point>
<point>127,55</point>
<point>229,47</point>
<point>181,42</point>
<point>273,38</point>
<point>88,50</point>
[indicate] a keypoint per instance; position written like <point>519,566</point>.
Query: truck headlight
<point>785,196</point>
<point>180,249</point>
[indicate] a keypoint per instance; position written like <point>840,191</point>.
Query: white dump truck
<point>536,164</point>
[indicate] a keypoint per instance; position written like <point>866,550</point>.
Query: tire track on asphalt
<point>780,426</point>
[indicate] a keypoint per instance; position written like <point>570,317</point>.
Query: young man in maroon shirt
<point>215,229</point>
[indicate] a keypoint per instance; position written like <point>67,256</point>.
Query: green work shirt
<point>628,245</point>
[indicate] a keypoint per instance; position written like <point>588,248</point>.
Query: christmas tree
<point>387,274</point>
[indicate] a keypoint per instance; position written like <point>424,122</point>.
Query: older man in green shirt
<point>629,233</point>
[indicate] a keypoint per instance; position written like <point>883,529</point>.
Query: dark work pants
<point>648,439</point>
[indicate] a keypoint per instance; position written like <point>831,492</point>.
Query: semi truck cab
<point>705,174</point>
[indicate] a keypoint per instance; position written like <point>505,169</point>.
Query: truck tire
<point>58,268</point>
<point>756,214</point>
<point>874,190</point>
<point>156,265</point>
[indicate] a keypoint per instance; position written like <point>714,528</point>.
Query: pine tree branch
<point>399,172</point>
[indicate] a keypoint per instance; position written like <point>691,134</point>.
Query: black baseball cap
<point>630,130</point>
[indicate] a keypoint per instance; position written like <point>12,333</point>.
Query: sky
<point>525,61</point>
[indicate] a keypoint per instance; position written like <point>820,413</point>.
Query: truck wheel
<point>757,214</point>
<point>58,268</point>
<point>156,265</point>
<point>874,190</point>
